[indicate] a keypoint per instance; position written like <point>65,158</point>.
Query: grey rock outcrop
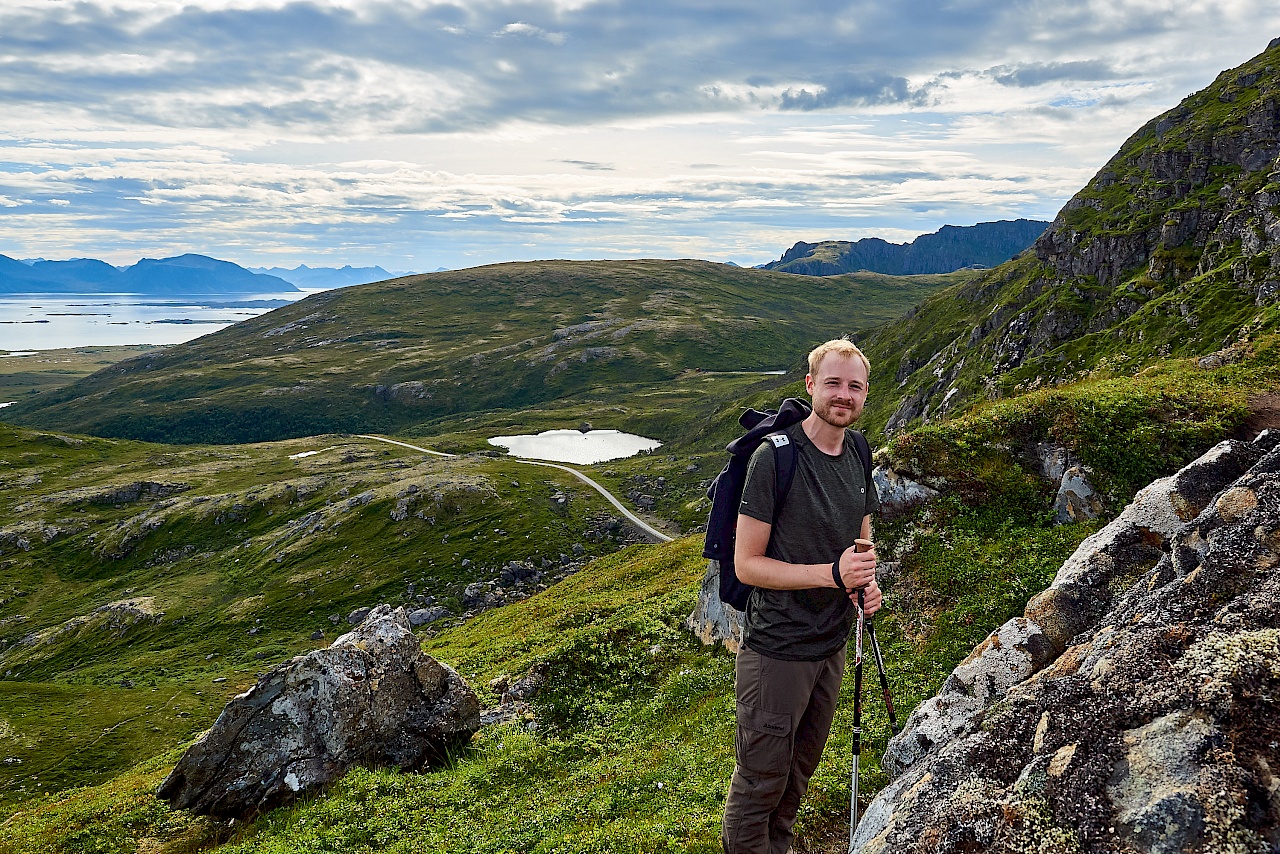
<point>899,493</point>
<point>372,698</point>
<point>1142,720</point>
<point>712,621</point>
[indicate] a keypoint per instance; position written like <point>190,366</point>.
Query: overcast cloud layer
<point>424,134</point>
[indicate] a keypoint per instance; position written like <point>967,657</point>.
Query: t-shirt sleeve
<point>758,491</point>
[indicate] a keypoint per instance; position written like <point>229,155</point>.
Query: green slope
<point>632,748</point>
<point>407,353</point>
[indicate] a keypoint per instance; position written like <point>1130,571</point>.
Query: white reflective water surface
<point>573,446</point>
<point>51,321</point>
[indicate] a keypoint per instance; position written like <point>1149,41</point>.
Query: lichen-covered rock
<point>1136,538</point>
<point>1157,728</point>
<point>712,621</point>
<point>1009,655</point>
<point>372,698</point>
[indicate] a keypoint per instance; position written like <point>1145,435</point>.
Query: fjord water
<point>574,446</point>
<point>52,321</point>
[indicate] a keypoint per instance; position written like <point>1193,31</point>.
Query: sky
<point>419,134</point>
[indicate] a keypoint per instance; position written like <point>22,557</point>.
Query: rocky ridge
<point>1171,249</point>
<point>949,248</point>
<point>1133,706</point>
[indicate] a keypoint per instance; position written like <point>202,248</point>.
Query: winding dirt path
<point>648,530</point>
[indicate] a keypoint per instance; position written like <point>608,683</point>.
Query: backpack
<point>725,491</point>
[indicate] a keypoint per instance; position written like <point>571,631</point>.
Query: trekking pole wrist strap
<point>835,574</point>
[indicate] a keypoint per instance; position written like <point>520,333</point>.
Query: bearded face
<point>839,390</point>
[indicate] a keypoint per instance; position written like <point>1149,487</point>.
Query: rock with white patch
<point>372,698</point>
<point>713,621</point>
<point>899,493</point>
<point>1077,500</point>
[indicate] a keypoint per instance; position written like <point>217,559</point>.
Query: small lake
<point>50,321</point>
<point>574,446</point>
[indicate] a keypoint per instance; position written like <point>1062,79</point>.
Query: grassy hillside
<point>46,370</point>
<point>632,745</point>
<point>406,354</point>
<point>142,585</point>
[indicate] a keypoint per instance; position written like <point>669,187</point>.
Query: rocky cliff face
<point>1170,250</point>
<point>1134,707</point>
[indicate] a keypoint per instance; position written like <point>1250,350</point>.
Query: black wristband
<point>835,575</point>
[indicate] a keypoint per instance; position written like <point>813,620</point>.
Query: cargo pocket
<point>763,742</point>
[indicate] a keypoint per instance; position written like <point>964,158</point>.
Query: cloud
<point>1039,73</point>
<point>855,90</point>
<point>590,165</point>
<point>334,67</point>
<point>461,130</point>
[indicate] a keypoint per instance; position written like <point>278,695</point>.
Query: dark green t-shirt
<point>820,518</point>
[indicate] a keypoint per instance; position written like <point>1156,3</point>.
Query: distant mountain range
<point>952,247</point>
<point>184,274</point>
<point>329,277</point>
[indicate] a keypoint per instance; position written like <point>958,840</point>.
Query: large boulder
<point>1154,728</point>
<point>372,698</point>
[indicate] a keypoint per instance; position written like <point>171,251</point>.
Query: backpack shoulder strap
<point>864,453</point>
<point>784,464</point>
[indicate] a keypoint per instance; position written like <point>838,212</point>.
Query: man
<point>806,571</point>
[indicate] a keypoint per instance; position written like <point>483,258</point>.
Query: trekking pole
<point>857,722</point>
<point>884,679</point>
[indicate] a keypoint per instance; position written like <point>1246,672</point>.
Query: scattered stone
<point>1054,461</point>
<point>898,493</point>
<point>514,705</point>
<point>335,619</point>
<point>358,616</point>
<point>423,616</point>
<point>318,634</point>
<point>219,679</point>
<point>372,698</point>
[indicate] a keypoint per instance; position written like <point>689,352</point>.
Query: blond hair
<point>841,347</point>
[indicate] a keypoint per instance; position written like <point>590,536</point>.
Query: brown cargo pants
<point>785,710</point>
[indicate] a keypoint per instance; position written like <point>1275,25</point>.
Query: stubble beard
<point>845,418</point>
